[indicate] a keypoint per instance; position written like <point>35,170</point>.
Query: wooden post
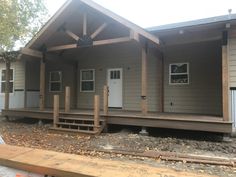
<point>144,81</point>
<point>161,82</point>
<point>96,113</point>
<point>7,86</point>
<point>85,24</point>
<point>55,110</point>
<point>105,100</point>
<point>42,85</point>
<point>225,83</point>
<point>67,99</point>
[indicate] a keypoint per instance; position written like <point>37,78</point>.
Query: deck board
<point>194,122</point>
<point>61,165</point>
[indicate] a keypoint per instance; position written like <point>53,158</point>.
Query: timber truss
<point>82,41</point>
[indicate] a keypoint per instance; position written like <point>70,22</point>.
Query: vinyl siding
<point>127,57</point>
<point>203,94</point>
<point>19,74</point>
<point>232,61</point>
<point>68,70</point>
<point>16,98</point>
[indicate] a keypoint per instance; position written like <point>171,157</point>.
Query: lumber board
<point>225,83</point>
<point>61,165</point>
<point>31,52</point>
<point>99,30</point>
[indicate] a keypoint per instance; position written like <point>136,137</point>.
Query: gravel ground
<point>28,134</point>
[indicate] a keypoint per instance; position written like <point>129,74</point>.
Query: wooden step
<point>74,130</point>
<point>74,124</point>
<point>79,118</point>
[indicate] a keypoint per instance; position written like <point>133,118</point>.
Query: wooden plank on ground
<point>61,165</point>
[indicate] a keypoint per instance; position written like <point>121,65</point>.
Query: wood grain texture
<point>69,165</point>
<point>225,83</point>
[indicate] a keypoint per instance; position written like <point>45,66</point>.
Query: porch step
<point>79,118</point>
<point>74,130</point>
<point>74,124</point>
<point>79,124</point>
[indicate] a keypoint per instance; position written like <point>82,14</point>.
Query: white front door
<point>114,82</point>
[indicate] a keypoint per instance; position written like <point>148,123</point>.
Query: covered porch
<point>97,61</point>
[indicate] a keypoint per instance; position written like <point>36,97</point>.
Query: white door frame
<point>121,77</point>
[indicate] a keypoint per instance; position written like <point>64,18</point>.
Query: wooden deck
<point>117,117</point>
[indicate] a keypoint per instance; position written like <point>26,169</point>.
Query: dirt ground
<point>28,133</point>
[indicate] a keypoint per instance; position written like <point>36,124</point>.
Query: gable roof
<point>69,3</point>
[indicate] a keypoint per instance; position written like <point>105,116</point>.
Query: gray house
<point>180,76</point>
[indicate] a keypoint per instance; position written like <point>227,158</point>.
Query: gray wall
<point>203,94</point>
<point>127,57</point>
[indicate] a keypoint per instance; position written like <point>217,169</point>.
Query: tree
<point>19,21</point>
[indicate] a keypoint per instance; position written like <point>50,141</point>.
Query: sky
<point>148,13</point>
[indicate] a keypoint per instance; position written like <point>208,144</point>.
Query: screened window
<point>87,80</point>
<point>55,81</point>
<point>179,73</point>
<point>3,81</point>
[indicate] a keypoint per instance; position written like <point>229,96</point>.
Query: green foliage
<point>19,21</point>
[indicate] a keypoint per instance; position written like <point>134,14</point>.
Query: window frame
<point>87,91</point>
<point>174,74</point>
<point>13,80</point>
<point>55,82</point>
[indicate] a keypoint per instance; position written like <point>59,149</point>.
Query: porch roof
<point>72,6</point>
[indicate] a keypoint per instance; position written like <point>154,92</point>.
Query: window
<point>55,80</point>
<point>179,73</point>
<point>115,74</point>
<point>3,81</point>
<point>87,80</point>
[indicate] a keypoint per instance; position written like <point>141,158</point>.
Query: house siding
<point>203,94</point>
<point>68,70</point>
<point>232,61</point>
<point>16,98</point>
<point>127,57</point>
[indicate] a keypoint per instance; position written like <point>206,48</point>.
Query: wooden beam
<point>123,21</point>
<point>31,52</point>
<point>111,41</point>
<point>55,110</point>
<point>134,35</point>
<point>95,43</point>
<point>85,24</point>
<point>225,83</point>
<point>42,86</point>
<point>62,47</point>
<point>105,100</point>
<point>99,30</point>
<point>96,113</point>
<point>7,85</point>
<point>144,106</point>
<point>72,35</point>
<point>67,100</point>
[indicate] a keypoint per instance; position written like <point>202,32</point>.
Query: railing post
<point>105,100</point>
<point>55,110</point>
<point>96,113</point>
<point>67,99</point>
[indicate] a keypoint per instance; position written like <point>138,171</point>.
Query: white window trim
<point>13,89</point>
<point>90,91</point>
<point>170,74</point>
<point>55,82</point>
